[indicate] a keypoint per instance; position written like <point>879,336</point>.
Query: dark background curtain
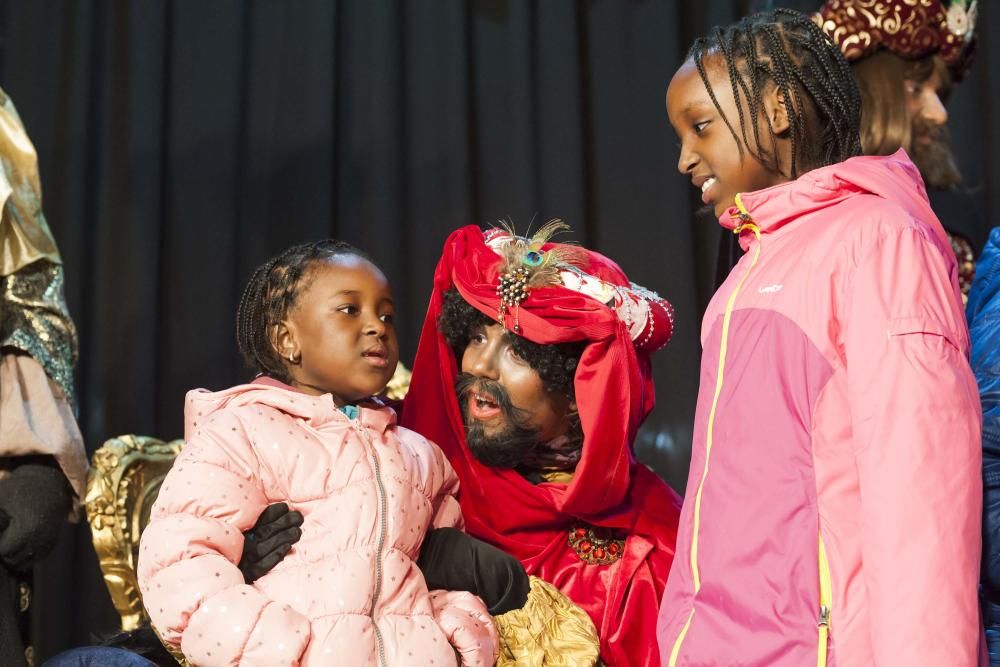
<point>183,142</point>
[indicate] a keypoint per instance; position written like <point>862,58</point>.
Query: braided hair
<point>271,293</point>
<point>786,48</point>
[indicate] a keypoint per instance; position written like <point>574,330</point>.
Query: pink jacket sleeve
<point>442,486</point>
<point>195,594</point>
<point>462,616</point>
<point>468,626</point>
<point>916,420</point>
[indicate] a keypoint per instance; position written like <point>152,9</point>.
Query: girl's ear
<point>285,342</point>
<point>776,108</point>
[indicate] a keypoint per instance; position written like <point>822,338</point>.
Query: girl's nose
<point>686,161</point>
<point>374,326</point>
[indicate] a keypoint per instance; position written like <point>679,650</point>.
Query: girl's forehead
<point>348,269</point>
<point>687,90</point>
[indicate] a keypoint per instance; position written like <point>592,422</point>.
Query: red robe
<point>614,394</point>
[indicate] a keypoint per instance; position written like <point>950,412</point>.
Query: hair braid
<point>785,48</point>
<point>271,293</point>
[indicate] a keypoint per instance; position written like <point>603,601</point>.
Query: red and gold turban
<point>909,28</point>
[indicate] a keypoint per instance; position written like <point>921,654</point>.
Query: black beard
<point>508,448</point>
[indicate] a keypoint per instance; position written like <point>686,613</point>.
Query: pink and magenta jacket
<point>832,515</point>
<point>349,592</point>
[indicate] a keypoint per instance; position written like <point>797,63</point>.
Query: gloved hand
<point>455,561</point>
<point>35,499</point>
<point>264,545</point>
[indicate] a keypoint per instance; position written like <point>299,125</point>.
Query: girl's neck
<point>314,390</point>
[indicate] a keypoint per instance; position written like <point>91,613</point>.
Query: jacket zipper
<point>825,604</point>
<point>379,642</point>
<point>746,223</point>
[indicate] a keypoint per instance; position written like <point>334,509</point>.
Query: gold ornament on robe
<point>24,233</point>
<point>34,318</point>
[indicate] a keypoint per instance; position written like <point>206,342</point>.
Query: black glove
<point>454,561</point>
<point>35,498</point>
<point>264,545</point>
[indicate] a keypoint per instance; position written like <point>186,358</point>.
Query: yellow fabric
<point>825,602</point>
<point>24,233</point>
<point>549,630</point>
<point>558,476</point>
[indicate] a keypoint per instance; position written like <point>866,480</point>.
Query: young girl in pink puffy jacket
<point>317,323</point>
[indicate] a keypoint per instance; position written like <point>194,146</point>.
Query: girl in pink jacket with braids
<point>316,322</point>
<point>832,514</point>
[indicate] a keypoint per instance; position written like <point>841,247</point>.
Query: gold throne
<point>123,483</point>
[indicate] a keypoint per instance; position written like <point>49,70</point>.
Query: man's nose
<point>933,109</point>
<point>483,363</point>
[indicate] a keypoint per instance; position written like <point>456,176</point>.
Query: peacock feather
<point>525,265</point>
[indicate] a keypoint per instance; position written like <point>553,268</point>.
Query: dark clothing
<point>453,560</point>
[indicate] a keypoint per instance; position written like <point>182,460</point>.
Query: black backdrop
<point>182,142</point>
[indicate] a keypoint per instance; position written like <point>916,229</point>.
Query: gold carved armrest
<point>123,483</point>
<point>399,384</point>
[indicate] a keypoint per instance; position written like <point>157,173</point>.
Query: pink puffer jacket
<point>349,592</point>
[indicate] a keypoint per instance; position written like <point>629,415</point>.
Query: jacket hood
<point>891,177</point>
<point>200,404</point>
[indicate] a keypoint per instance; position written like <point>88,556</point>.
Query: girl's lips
<point>376,357</point>
<point>482,409</point>
<point>376,361</point>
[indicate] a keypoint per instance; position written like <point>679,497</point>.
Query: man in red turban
<point>533,375</point>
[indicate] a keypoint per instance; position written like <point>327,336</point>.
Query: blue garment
<point>98,656</point>
<point>983,313</point>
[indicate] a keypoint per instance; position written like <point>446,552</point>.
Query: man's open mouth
<point>482,406</point>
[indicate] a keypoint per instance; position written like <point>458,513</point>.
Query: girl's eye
<point>349,309</point>
<point>478,337</point>
<point>912,88</point>
<point>388,318</point>
<point>700,127</point>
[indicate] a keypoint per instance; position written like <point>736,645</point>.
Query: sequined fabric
<point>966,262</point>
<point>35,320</point>
<point>908,28</point>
